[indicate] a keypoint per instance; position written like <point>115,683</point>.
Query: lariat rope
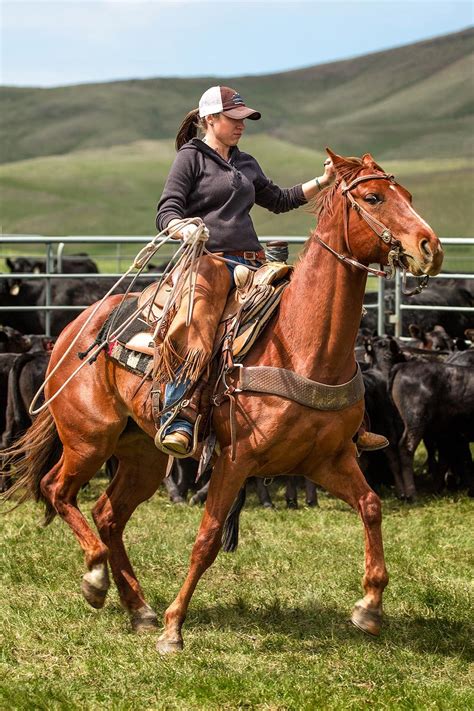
<point>188,253</point>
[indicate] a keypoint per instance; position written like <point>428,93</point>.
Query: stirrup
<point>160,436</point>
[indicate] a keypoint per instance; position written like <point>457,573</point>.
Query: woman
<point>213,180</point>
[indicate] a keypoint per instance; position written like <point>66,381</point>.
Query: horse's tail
<point>31,457</point>
<point>230,534</point>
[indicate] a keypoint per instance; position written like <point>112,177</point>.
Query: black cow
<point>454,322</point>
<point>436,403</point>
<point>383,467</point>
<point>25,378</point>
<point>439,293</point>
<point>462,357</point>
<point>6,364</point>
<point>12,341</point>
<point>64,292</point>
<point>435,340</point>
<point>74,264</point>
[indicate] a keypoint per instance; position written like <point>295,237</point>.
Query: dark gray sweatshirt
<point>202,184</point>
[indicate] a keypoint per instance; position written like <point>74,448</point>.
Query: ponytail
<point>188,128</point>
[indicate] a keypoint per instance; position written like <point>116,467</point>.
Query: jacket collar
<point>198,144</point>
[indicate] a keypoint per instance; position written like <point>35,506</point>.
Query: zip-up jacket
<point>202,184</point>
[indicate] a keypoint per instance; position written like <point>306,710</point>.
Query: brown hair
<point>191,124</point>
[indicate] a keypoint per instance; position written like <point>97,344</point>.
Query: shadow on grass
<point>327,625</point>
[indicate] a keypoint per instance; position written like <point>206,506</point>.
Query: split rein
<point>381,230</point>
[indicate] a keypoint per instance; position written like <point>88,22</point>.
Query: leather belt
<point>251,256</point>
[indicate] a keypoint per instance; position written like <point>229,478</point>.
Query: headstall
<point>381,230</point>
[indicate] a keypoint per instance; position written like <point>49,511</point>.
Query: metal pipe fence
<point>51,257</point>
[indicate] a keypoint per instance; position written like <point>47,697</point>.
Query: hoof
<point>178,500</point>
<point>168,646</point>
<point>367,620</point>
<point>95,584</point>
<point>144,620</point>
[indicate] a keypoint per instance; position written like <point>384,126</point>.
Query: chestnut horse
<point>101,413</point>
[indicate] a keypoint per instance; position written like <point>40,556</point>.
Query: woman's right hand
<point>172,225</point>
<point>188,231</point>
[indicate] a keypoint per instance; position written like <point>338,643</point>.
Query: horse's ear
<point>337,161</point>
<point>369,162</point>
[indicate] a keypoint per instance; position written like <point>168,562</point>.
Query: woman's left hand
<point>329,172</point>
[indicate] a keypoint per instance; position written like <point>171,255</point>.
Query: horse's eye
<point>372,199</point>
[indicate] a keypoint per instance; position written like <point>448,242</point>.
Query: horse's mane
<point>324,201</point>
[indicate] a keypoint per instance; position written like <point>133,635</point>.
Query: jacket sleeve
<point>179,184</point>
<point>274,198</point>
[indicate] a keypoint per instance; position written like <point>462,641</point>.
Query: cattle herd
<point>418,389</point>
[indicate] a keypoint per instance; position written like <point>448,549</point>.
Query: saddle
<point>248,309</point>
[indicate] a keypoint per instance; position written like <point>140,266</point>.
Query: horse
<point>365,217</point>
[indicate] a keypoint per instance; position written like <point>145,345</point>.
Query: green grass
<point>267,628</point>
<point>113,191</point>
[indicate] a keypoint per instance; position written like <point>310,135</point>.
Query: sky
<point>52,43</point>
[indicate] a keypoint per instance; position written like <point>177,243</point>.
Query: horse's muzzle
<point>426,258</point>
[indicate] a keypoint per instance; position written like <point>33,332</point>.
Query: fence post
<point>381,308</point>
<point>118,255</point>
<point>398,302</point>
<point>59,258</point>
<point>47,301</point>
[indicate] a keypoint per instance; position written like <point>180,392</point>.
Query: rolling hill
<point>412,101</point>
<point>92,159</point>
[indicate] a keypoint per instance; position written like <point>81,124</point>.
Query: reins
<point>382,232</point>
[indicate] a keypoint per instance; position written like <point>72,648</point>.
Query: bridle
<point>396,251</point>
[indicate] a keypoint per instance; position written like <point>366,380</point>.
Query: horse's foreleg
<point>225,484</point>
<point>140,472</point>
<point>345,480</point>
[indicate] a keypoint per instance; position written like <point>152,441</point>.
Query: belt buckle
<point>250,255</point>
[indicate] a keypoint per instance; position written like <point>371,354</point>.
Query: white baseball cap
<point>223,99</point>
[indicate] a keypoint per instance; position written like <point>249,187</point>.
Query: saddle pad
<point>137,363</point>
<point>118,316</point>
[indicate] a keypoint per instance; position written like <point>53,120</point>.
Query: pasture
<point>115,190</point>
<point>268,627</point>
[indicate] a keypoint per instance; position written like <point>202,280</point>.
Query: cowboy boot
<point>369,441</point>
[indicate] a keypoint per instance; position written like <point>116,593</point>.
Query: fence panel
<point>52,248</point>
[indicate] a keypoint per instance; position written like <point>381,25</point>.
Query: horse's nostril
<point>425,248</point>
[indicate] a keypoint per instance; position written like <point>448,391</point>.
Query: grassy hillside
<point>413,101</point>
<point>115,190</point>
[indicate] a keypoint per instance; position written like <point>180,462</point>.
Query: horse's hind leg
<point>60,487</point>
<point>140,472</point>
<point>345,480</point>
